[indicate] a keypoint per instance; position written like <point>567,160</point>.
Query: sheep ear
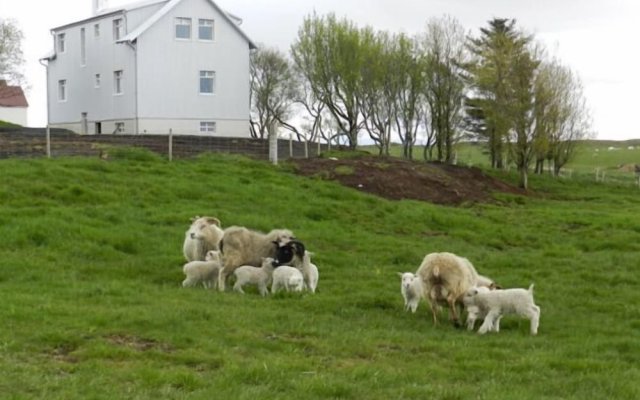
<point>399,274</point>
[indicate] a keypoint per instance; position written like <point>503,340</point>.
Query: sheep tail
<point>531,289</point>
<point>436,272</point>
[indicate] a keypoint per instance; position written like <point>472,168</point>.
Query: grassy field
<point>92,308</point>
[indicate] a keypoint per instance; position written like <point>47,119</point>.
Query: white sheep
<point>496,303</point>
<point>203,235</point>
<point>203,271</point>
<point>474,312</point>
<point>411,290</point>
<point>240,246</point>
<point>258,276</point>
<point>287,277</point>
<point>445,278</point>
<point>309,272</point>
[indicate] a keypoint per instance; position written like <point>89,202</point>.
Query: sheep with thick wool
<point>287,277</point>
<point>203,235</point>
<point>240,246</point>
<point>446,277</point>
<point>411,290</point>
<point>205,272</point>
<point>258,276</point>
<point>496,303</point>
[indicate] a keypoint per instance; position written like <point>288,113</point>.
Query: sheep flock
<point>277,261</point>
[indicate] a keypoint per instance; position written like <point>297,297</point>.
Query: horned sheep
<point>203,235</point>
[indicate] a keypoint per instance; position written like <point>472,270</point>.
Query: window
<point>183,28</point>
<point>205,29</point>
<point>96,30</point>
<point>61,41</point>
<point>208,126</point>
<point>207,82</point>
<point>97,81</point>
<point>62,90</point>
<point>118,29</point>
<point>83,47</point>
<point>117,82</point>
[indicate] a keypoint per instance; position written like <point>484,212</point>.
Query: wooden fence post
<point>170,144</point>
<point>48,135</point>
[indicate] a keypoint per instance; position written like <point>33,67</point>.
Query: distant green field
<point>92,308</point>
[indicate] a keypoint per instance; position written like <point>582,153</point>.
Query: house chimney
<point>97,6</point>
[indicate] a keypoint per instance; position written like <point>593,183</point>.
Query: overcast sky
<point>596,38</point>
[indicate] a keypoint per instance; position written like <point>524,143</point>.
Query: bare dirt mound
<point>397,179</point>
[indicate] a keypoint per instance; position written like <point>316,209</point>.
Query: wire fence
<point>42,142</point>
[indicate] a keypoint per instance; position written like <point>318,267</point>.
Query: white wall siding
<point>226,128</point>
<point>15,115</point>
<point>168,69</point>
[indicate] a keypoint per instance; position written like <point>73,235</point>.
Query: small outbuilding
<point>13,104</point>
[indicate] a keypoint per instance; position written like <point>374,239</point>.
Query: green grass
<point>92,308</point>
<point>6,124</point>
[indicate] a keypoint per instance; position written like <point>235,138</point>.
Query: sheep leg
<point>496,324</point>
<point>488,322</point>
<point>222,278</point>
<point>238,287</point>
<point>453,313</point>
<point>535,319</point>
<point>263,290</point>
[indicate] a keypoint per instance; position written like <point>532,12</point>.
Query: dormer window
<point>183,28</point>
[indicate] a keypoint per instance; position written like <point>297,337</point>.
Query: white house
<point>13,104</point>
<point>149,67</point>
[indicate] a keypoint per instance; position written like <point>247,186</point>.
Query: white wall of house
<point>167,70</point>
<point>15,115</point>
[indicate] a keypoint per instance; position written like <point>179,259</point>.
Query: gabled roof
<point>133,35</point>
<point>12,96</point>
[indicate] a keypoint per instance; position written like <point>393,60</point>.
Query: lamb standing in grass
<point>411,290</point>
<point>473,311</point>
<point>205,272</point>
<point>287,277</point>
<point>258,276</point>
<point>497,303</point>
<point>203,235</point>
<point>309,272</point>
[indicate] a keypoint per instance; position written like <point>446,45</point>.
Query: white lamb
<point>203,235</point>
<point>309,272</point>
<point>203,271</point>
<point>287,277</point>
<point>473,311</point>
<point>497,303</point>
<point>411,289</point>
<point>258,276</point>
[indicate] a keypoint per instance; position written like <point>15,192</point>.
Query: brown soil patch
<point>398,179</point>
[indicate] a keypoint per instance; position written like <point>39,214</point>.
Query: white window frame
<point>117,82</point>
<point>83,47</point>
<point>181,22</point>
<point>61,37</point>
<point>206,23</point>
<point>118,28</point>
<point>62,90</point>
<point>208,126</point>
<point>96,30</point>
<point>97,82</point>
<point>207,75</point>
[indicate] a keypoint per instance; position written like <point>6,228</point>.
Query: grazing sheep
<point>203,271</point>
<point>474,312</point>
<point>411,290</point>
<point>203,235</point>
<point>445,278</point>
<point>241,246</point>
<point>496,303</point>
<point>287,277</point>
<point>258,276</point>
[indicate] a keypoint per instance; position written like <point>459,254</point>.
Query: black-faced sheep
<point>241,246</point>
<point>203,235</point>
